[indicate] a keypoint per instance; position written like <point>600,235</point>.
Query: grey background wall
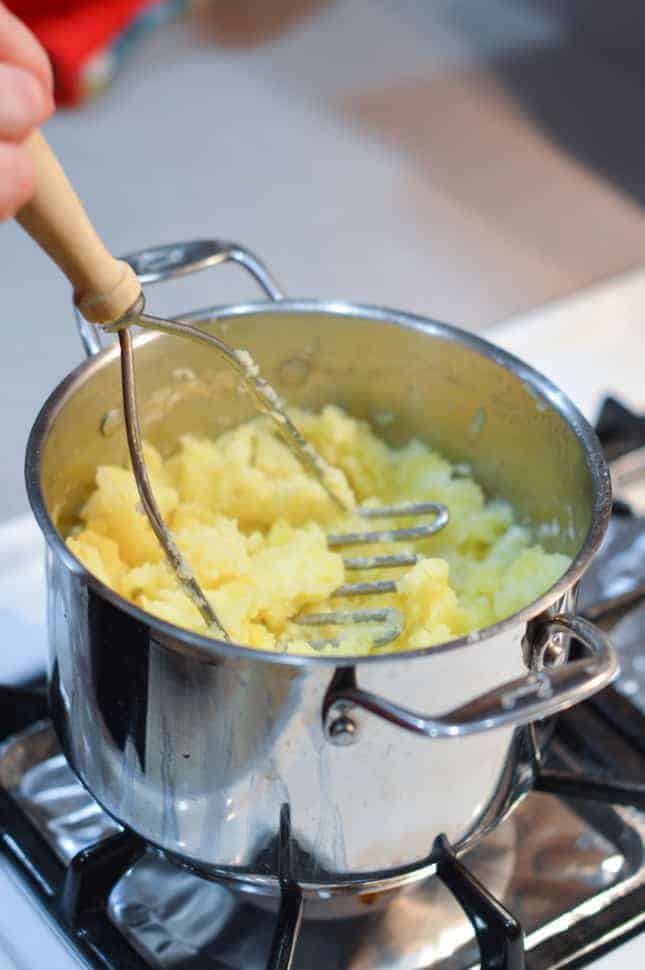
<point>463,160</point>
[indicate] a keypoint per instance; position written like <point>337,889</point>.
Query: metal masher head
<point>107,292</point>
<point>388,621</point>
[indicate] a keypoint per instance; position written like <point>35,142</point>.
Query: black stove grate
<point>619,429</point>
<point>76,897</point>
<point>499,934</point>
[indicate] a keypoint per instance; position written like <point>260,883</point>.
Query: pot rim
<point>208,648</point>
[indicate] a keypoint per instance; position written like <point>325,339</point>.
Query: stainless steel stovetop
<point>552,863</point>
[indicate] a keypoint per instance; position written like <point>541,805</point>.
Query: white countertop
<point>590,344</point>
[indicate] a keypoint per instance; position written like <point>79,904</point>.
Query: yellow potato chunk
<point>114,509</point>
<point>293,569</point>
<point>100,555</point>
<point>532,570</point>
<point>250,475</point>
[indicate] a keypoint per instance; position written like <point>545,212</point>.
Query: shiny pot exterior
<point>197,745</point>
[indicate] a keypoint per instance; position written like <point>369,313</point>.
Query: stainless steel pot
<point>197,745</point>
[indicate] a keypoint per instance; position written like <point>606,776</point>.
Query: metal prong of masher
<point>399,511</point>
<point>133,431</point>
<point>377,587</point>
<point>392,560</point>
<point>391,619</point>
<point>265,396</point>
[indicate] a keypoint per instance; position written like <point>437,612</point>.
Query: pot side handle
<point>157,264</point>
<point>515,703</point>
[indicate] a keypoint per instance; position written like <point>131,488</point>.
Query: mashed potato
<point>252,525</point>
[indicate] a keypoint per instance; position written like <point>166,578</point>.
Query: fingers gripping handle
<point>105,289</point>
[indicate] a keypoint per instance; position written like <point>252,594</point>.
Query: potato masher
<point>107,292</point>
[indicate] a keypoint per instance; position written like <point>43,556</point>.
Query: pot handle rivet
<point>341,730</point>
<point>160,263</point>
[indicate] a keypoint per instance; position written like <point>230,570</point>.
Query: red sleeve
<point>74,33</point>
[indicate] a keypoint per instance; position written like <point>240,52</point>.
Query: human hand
<point>26,100</point>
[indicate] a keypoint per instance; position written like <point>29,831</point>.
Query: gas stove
<point>558,884</point>
<point>555,885</point>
